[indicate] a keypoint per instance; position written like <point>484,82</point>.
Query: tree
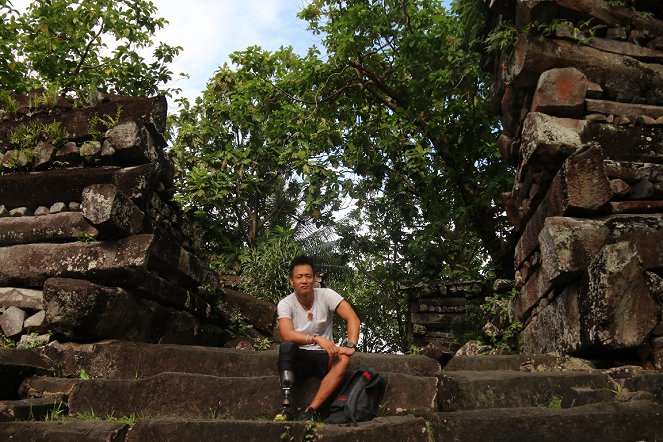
<point>248,154</point>
<point>418,133</point>
<point>83,46</point>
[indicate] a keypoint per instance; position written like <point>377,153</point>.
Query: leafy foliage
<point>245,153</point>
<point>418,135</point>
<point>265,268</point>
<point>83,46</point>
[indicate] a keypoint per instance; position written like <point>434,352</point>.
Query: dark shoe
<point>310,415</point>
<point>286,414</point>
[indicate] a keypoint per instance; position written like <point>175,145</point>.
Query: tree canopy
<point>394,113</point>
<point>80,46</point>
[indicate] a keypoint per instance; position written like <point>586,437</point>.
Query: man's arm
<point>288,333</point>
<point>347,313</point>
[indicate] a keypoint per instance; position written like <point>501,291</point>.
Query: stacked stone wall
<point>581,100</point>
<point>92,245</point>
<point>438,311</point>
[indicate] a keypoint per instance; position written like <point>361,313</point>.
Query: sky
<point>210,30</point>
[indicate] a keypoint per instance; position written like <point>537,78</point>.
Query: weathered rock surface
<point>30,265</point>
<point>470,390</point>
<point>111,212</point>
<point>21,298</point>
<point>614,422</point>
<point>126,360</point>
<point>50,186</point>
<point>57,227</point>
<point>617,306</point>
<point>81,308</point>
<point>561,92</point>
<point>78,430</point>
<point>11,321</point>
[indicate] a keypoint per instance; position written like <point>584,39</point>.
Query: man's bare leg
<point>331,381</point>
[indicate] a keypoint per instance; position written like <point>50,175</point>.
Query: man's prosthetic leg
<point>287,355</point>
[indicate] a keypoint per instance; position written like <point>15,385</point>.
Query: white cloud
<point>209,31</point>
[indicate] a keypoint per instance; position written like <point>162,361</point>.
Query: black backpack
<point>359,398</point>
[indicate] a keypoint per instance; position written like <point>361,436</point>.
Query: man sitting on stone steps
<point>307,346</point>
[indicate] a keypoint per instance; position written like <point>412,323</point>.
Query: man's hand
<point>346,351</point>
<point>332,350</point>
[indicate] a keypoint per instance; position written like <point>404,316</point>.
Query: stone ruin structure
<point>92,245</point>
<point>581,100</point>
<point>433,311</point>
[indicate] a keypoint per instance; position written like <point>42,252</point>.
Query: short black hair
<point>301,260</point>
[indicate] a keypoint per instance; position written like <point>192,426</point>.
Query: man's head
<point>302,274</point>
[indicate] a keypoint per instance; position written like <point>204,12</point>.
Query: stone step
<point>401,428</point>
<point>128,360</point>
<point>396,428</point>
<point>542,362</point>
<point>70,430</point>
<point>18,364</point>
<point>470,390</point>
<point>204,396</point>
<point>32,409</point>
<point>610,422</point>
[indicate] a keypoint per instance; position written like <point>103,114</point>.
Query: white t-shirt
<point>321,319</point>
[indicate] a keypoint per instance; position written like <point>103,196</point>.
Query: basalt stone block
<point>45,188</point>
<point>44,154</point>
<point>581,187</point>
<point>22,298</point>
<point>546,10</point>
<point>536,287</point>
<point>645,232</point>
<point>151,111</point>
<point>556,327</point>
<point>617,74</point>
<point>548,140</point>
<point>111,212</point>
<point>617,108</point>
<point>568,244</point>
<point>11,321</point>
<point>400,428</point>
<point>116,262</point>
<point>85,311</point>
<point>68,154</point>
<point>35,321</point>
<point>55,431</point>
<point>607,422</point>
<point>633,171</point>
<point>90,149</point>
<point>472,390</point>
<point>617,308</point>
<point>561,92</point>
<point>178,395</point>
<point>131,143</point>
<point>182,429</point>
<point>31,408</point>
<point>65,226</point>
<point>170,259</point>
<point>152,286</point>
<point>261,314</point>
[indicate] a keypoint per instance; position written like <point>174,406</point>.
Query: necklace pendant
<point>310,316</point>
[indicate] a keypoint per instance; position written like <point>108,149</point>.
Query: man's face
<point>302,279</point>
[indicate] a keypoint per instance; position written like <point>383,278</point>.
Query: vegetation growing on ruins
<point>66,44</point>
<point>388,122</point>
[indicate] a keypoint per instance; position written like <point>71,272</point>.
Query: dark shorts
<point>306,362</point>
<point>312,363</point>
